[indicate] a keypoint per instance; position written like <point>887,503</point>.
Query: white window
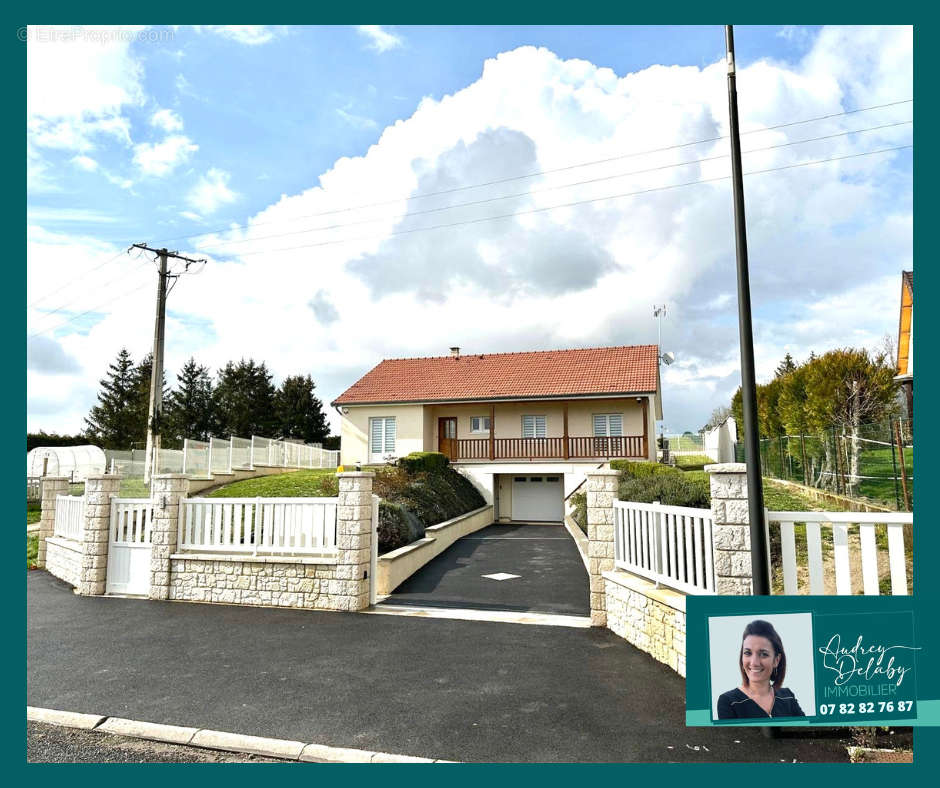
<point>381,436</point>
<point>480,424</point>
<point>608,424</point>
<point>533,427</point>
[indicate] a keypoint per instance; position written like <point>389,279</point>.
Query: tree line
<point>242,400</point>
<point>839,391</point>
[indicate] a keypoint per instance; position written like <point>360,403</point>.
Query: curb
<point>218,740</point>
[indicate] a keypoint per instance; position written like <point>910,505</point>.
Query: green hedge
<point>414,501</point>
<point>419,461</point>
<point>675,489</point>
<point>579,509</point>
<point>631,469</point>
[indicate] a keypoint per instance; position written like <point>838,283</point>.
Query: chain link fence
<point>875,463</point>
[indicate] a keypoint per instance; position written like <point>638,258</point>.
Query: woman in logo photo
<point>763,665</point>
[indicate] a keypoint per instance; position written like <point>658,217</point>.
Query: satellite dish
<point>668,358</point>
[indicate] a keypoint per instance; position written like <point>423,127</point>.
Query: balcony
<point>570,448</point>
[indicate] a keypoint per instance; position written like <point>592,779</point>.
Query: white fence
<point>258,525</point>
<point>853,538</point>
<point>196,458</point>
<point>240,453</point>
<point>287,454</point>
<point>671,545</point>
<point>131,520</point>
<point>220,455</point>
<point>33,488</point>
<point>69,516</point>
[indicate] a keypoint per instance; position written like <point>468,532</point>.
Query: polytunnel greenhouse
<point>75,462</point>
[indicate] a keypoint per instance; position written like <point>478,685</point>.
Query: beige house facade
<point>525,453</point>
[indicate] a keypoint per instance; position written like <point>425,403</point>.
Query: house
<point>905,374</point>
<point>524,427</point>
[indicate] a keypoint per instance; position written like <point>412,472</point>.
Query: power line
<point>87,312</point>
<point>540,172</point>
<point>72,281</point>
<point>558,187</point>
<point>522,213</point>
<point>570,204</point>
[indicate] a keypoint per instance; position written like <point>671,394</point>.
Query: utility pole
<point>156,373</point>
<point>755,487</point>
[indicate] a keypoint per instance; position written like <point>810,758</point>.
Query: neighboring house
<point>905,374</point>
<point>524,427</point>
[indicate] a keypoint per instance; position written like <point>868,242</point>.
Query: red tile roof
<point>547,373</point>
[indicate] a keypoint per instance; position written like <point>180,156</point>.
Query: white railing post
<point>374,560</point>
<point>185,452</point>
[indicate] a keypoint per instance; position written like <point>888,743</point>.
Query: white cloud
<point>77,88</point>
<point>211,192</point>
<point>826,242</point>
<point>195,217</point>
<point>167,120</point>
<point>85,163</point>
<point>356,121</point>
<point>161,158</point>
<point>252,35</point>
<point>380,39</point>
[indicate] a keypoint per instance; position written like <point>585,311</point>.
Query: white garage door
<point>538,498</point>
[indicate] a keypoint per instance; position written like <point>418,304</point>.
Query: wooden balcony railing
<point>551,448</point>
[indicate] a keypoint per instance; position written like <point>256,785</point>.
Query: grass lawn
<point>693,462</point>
<point>33,512</point>
<point>313,483</point>
<point>32,548</point>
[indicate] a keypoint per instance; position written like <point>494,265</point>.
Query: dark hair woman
<point>763,665</point>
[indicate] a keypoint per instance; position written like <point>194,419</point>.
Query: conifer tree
<point>299,412</point>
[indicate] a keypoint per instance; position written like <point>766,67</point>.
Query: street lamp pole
<point>755,487</point>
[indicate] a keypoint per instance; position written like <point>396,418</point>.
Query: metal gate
<point>129,546</point>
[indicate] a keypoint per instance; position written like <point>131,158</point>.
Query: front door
<point>447,437</point>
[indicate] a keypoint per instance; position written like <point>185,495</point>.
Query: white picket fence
<point>131,520</point>
<point>835,528</point>
<point>258,525</point>
<point>671,545</point>
<point>69,516</point>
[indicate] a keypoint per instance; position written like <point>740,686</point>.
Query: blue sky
<point>157,134</point>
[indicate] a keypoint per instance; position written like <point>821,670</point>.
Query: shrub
<point>397,527</point>
<point>630,469</point>
<point>413,501</point>
<point>419,461</point>
<point>670,489</point>
<point>579,510</point>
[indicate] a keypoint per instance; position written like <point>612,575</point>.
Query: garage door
<point>538,498</point>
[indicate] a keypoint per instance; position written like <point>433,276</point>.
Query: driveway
<point>549,576</point>
<point>439,688</point>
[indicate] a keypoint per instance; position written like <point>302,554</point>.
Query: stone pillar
<point>731,534</point>
<point>94,568</point>
<point>50,487</point>
<point>166,491</point>
<point>601,494</point>
<point>354,540</point>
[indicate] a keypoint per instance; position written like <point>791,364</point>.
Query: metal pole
<point>755,487</point>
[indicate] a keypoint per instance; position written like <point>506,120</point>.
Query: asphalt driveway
<point>440,688</point>
<point>549,574</point>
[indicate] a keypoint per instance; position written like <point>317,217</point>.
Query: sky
<point>374,192</point>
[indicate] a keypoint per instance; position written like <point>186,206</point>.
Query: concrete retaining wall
<point>398,565</point>
<point>64,559</point>
<point>652,619</point>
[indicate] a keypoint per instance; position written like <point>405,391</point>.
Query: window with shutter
<point>533,427</point>
<point>608,424</point>
<point>382,435</point>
